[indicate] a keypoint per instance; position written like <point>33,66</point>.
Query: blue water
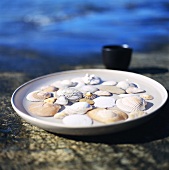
<point>79,27</point>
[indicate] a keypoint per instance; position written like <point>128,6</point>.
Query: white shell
<point>104,102</point>
<point>134,90</point>
<point>88,88</point>
<point>111,83</point>
<point>91,79</point>
<point>37,96</point>
<point>136,114</point>
<point>62,100</point>
<point>76,108</point>
<point>77,120</point>
<point>131,103</point>
<point>68,83</point>
<point>123,84</point>
<point>103,93</point>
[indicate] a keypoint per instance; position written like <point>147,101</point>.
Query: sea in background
<point>76,29</point>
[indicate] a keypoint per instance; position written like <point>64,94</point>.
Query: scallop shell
<point>62,100</point>
<point>136,114</point>
<point>134,90</point>
<point>37,96</point>
<point>123,85</point>
<point>106,115</point>
<point>131,103</point>
<point>103,93</point>
<point>104,102</point>
<point>88,88</point>
<point>111,83</point>
<point>146,96</point>
<point>76,108</point>
<point>77,120</point>
<point>89,95</point>
<point>91,79</point>
<point>70,93</point>
<point>111,89</point>
<point>44,109</point>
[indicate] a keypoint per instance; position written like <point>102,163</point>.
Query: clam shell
<point>103,93</point>
<point>111,89</point>
<point>77,120</point>
<point>76,108</point>
<point>111,83</point>
<point>134,90</point>
<point>62,100</point>
<point>68,83</point>
<point>131,103</point>
<point>106,115</point>
<point>88,88</point>
<point>146,96</point>
<point>49,89</point>
<point>43,109</point>
<point>123,85</point>
<point>91,79</point>
<point>37,96</point>
<point>136,114</point>
<point>104,102</point>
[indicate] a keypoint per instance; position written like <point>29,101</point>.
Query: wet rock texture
<point>23,146</point>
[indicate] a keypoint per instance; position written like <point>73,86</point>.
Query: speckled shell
<point>43,109</point>
<point>37,96</point>
<point>77,120</point>
<point>146,96</point>
<point>89,95</point>
<point>107,116</point>
<point>131,103</point>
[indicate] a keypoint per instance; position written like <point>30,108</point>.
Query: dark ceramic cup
<point>116,57</point>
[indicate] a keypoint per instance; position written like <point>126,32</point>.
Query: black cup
<point>116,57</point>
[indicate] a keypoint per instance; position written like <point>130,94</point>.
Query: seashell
<point>91,79</point>
<point>62,100</point>
<point>76,108</point>
<point>106,115</point>
<point>87,100</point>
<point>89,95</point>
<point>44,109</point>
<point>110,83</point>
<point>136,114</point>
<point>77,120</point>
<point>111,89</point>
<point>49,89</point>
<point>37,96</point>
<point>58,84</point>
<point>103,93</point>
<point>68,83</point>
<point>104,102</point>
<point>123,85</point>
<point>50,100</point>
<point>127,95</point>
<point>88,88</point>
<point>146,96</point>
<point>70,93</point>
<point>134,90</point>
<point>131,103</point>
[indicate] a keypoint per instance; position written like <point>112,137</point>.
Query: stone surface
<point>24,145</point>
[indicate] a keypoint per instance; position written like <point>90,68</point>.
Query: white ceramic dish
<point>50,124</point>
